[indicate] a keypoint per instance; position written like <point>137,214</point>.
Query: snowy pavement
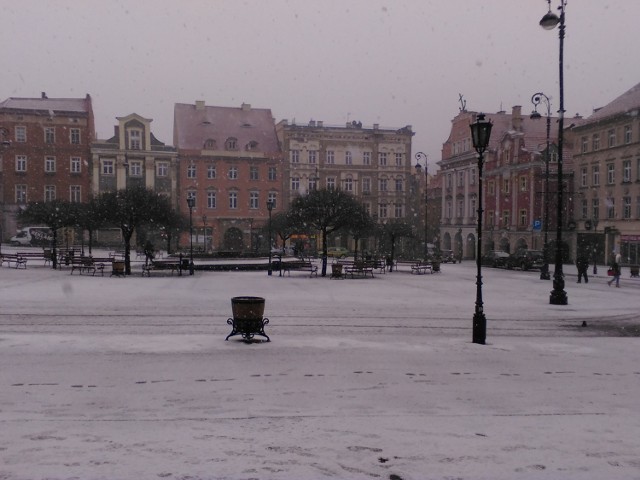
<point>130,378</point>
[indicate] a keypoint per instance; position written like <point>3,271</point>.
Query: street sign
<point>537,224</point>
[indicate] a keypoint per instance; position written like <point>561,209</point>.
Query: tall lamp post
<point>270,207</point>
<point>191,202</point>
<point>537,99</point>
<point>420,156</point>
<point>204,234</point>
<point>480,134</point>
<point>549,22</point>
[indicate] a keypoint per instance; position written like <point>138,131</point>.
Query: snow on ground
<point>130,378</point>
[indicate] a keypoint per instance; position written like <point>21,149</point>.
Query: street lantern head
<point>549,21</point>
<point>480,133</point>
<point>269,205</point>
<point>535,115</point>
<point>191,202</point>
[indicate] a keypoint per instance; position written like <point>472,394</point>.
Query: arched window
<point>231,143</point>
<point>210,144</point>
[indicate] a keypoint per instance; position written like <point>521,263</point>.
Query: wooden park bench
<point>300,266</point>
<point>358,269</point>
<point>421,268</point>
<point>173,265</point>
<point>17,260</point>
<point>83,264</point>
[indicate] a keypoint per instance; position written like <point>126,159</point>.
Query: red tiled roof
<point>628,101</point>
<point>195,124</point>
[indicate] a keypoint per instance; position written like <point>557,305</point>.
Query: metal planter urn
<point>248,318</point>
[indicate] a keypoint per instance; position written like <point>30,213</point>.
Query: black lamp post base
<point>479,327</point>
<point>558,297</point>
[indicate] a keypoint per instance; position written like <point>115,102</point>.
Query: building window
<point>313,156</point>
<point>107,167</point>
<point>233,200</point>
<point>191,171</point>
<point>595,208</point>
<point>331,183</point>
<point>76,165</point>
<point>382,184</point>
<point>75,194</point>
<point>626,208</point>
<point>626,171</point>
<point>21,163</point>
<point>273,173</point>
<point>490,218</point>
<point>312,183</point>
<point>460,179</point>
<point>382,159</point>
<point>49,193</point>
<point>460,205</point>
<point>135,139</point>
<point>210,144</point>
<point>627,134</point>
<point>595,172</point>
<point>366,158</point>
<point>233,173</point>
<point>348,158</point>
<point>21,194</point>
<point>211,172</point>
<point>611,208</point>
<point>637,207</point>
<point>295,156</point>
<point>523,218</point>
<point>585,208</point>
<point>162,169</point>
<point>584,145</point>
<point>473,209</point>
<point>491,187</point>
<point>448,209</point>
<point>523,183</point>
<point>135,168</point>
<point>253,173</point>
<point>348,184</point>
<point>231,143</point>
<point>505,185</point>
<point>596,142</point>
<point>399,185</point>
<point>331,157</point>
<point>211,199</point>
<point>382,210</point>
<point>399,157</point>
<point>583,177</point>
<point>366,185</point>
<point>612,138</point>
<point>21,134</point>
<point>472,176</point>
<point>449,181</point>
<point>295,184</point>
<point>506,218</point>
<point>49,164</point>
<point>399,210</point>
<point>611,173</point>
<point>74,136</point>
<point>49,135</point>
<point>272,197</point>
<point>254,200</point>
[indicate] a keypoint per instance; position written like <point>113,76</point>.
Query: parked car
<point>526,259</point>
<point>495,259</point>
<point>337,252</point>
<point>446,256</point>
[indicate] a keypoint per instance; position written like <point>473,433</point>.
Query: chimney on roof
<point>516,117</point>
<point>246,107</point>
<point>43,95</point>
<point>319,123</point>
<point>199,104</point>
<point>376,126</point>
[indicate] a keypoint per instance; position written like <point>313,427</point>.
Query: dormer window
<point>231,143</point>
<point>135,139</point>
<point>252,145</point>
<point>210,144</point>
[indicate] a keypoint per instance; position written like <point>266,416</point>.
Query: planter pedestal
<point>248,319</point>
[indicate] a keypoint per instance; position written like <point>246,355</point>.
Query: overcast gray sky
<point>392,62</point>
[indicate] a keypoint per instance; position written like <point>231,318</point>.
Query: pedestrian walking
<point>616,270</point>
<point>583,265</point>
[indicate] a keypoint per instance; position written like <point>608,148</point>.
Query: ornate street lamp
<point>537,99</point>
<point>191,202</point>
<point>270,207</point>
<point>480,134</point>
<point>549,22</point>
<point>420,156</point>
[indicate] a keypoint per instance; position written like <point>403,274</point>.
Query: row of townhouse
<point>230,161</point>
<point>601,183</point>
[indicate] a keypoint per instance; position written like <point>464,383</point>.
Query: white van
<point>34,236</point>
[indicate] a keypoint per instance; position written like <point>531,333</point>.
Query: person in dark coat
<point>583,265</point>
